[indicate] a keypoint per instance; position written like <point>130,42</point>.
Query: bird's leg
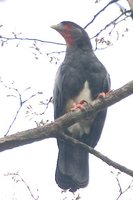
<point>102,95</point>
<point>81,105</point>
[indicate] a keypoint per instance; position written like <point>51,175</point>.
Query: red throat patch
<point>67,34</point>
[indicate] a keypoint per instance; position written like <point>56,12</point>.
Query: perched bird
<point>80,77</point>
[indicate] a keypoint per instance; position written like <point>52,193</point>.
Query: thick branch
<point>130,2</point>
<point>55,129</point>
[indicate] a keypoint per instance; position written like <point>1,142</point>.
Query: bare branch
<point>56,128</point>
<point>55,52</point>
<point>121,190</point>
<point>65,121</point>
<point>114,22</point>
<point>95,16</point>
<point>16,177</point>
<point>21,104</point>
<point>19,96</point>
<point>130,2</point>
<point>29,39</point>
<point>53,129</point>
<point>32,112</point>
<point>99,155</point>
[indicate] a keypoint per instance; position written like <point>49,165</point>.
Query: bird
<point>80,77</point>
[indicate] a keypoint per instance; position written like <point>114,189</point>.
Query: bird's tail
<point>72,171</point>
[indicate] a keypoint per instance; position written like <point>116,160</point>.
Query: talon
<point>80,105</point>
<point>102,95</point>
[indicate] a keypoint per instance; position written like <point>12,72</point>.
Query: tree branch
<point>99,155</point>
<point>114,22</point>
<point>55,129</point>
<point>122,191</point>
<point>130,2</point>
<point>29,39</point>
<point>18,178</point>
<point>95,16</point>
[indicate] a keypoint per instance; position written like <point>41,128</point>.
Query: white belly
<point>82,127</point>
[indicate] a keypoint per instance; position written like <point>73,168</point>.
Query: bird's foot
<point>102,95</point>
<point>81,105</point>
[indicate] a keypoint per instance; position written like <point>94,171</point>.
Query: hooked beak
<point>57,27</point>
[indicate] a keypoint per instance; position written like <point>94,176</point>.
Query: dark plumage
<point>81,76</point>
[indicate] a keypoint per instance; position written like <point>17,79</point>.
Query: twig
<point>121,191</point>
<point>13,121</point>
<point>124,191</point>
<point>19,96</point>
<point>21,104</point>
<point>25,183</point>
<point>95,16</point>
<point>30,39</point>
<point>30,109</point>
<point>55,52</point>
<point>114,22</point>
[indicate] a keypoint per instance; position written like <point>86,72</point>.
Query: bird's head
<point>73,34</point>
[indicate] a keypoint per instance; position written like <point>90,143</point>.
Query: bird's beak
<point>57,27</point>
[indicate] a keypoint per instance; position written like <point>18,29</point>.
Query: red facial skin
<point>67,34</point>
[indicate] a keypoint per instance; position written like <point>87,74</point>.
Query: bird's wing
<point>58,95</point>
<point>68,83</point>
<point>98,123</point>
